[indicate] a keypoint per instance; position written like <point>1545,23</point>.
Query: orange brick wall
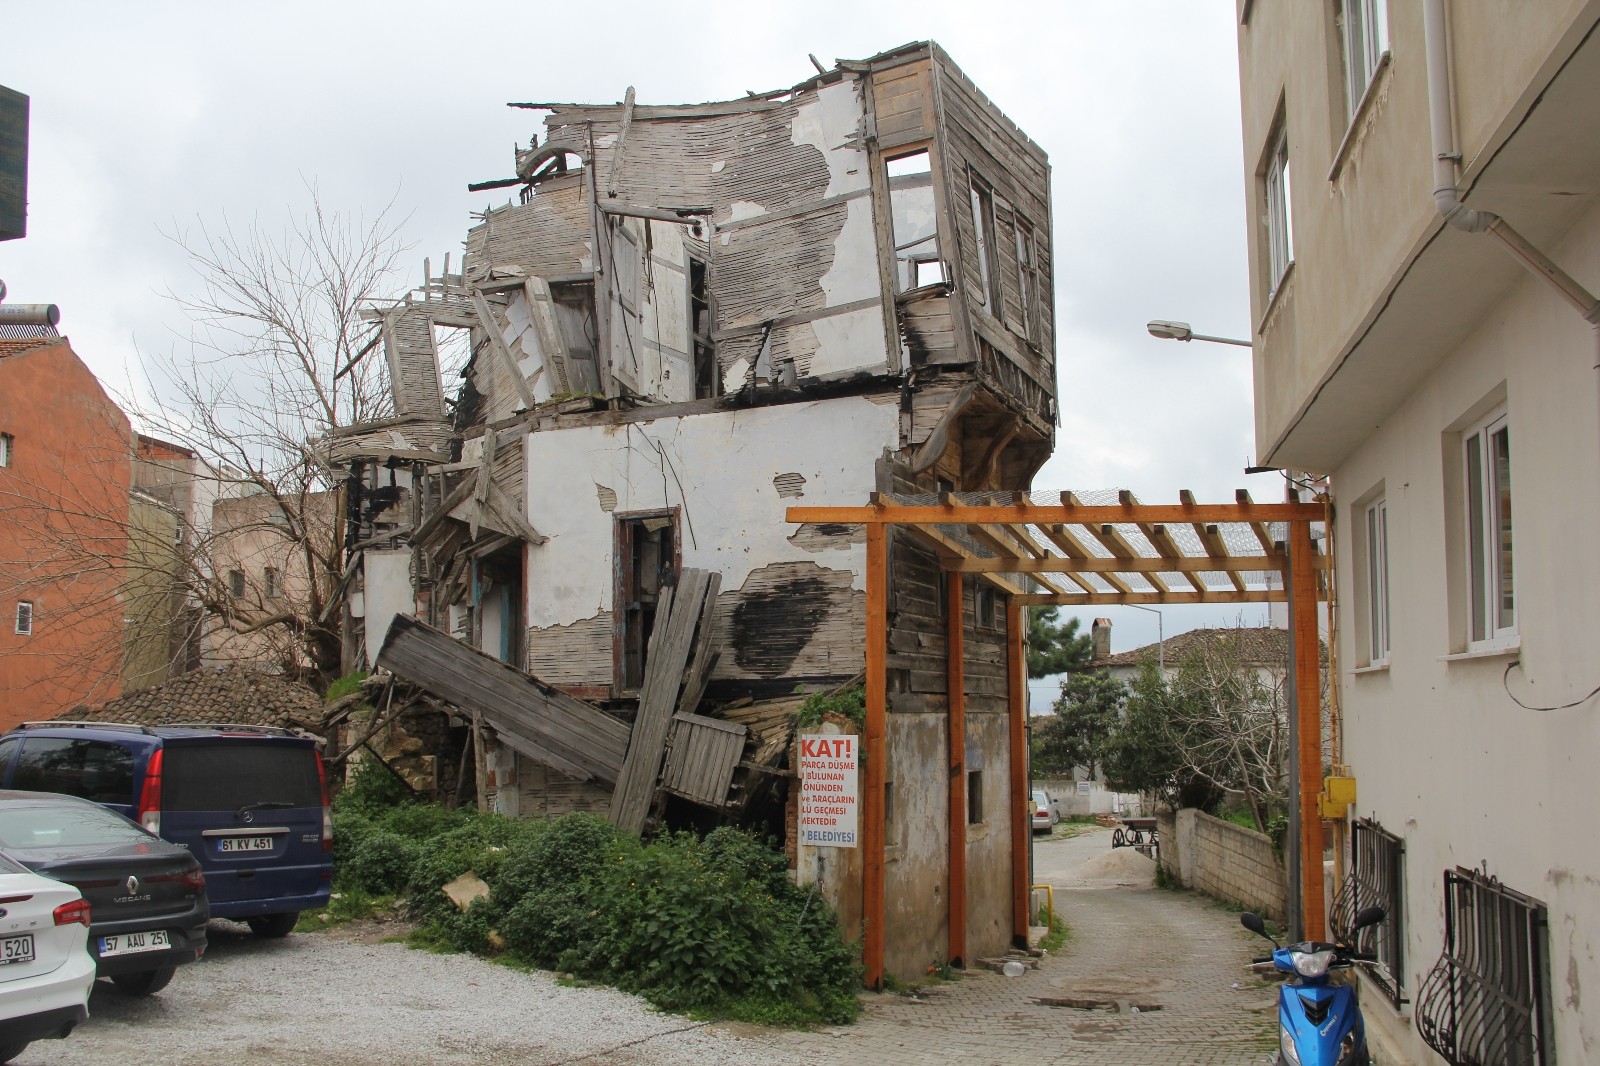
<point>63,532</point>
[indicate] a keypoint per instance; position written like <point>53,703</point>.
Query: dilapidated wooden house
<point>688,319</point>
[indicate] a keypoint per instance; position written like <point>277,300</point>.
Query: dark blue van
<point>249,802</point>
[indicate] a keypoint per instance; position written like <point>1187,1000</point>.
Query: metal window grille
<point>1377,879</point>
<point>1486,1001</point>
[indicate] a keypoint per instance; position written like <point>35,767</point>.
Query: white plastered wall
<point>1443,756</point>
<point>718,468</point>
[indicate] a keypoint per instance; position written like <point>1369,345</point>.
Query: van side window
<point>91,769</point>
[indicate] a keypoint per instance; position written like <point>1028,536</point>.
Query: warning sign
<point>828,776</point>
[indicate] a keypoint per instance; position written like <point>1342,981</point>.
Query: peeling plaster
<point>743,209</point>
<point>790,485</point>
<point>718,166</point>
<point>730,521</point>
<point>608,497</point>
<point>607,141</point>
<point>830,121</point>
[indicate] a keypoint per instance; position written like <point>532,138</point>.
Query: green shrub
<point>345,685</point>
<point>350,828</point>
<point>549,891</point>
<point>850,703</point>
<point>481,844</point>
<point>420,821</point>
<point>373,790</point>
<point>381,862</point>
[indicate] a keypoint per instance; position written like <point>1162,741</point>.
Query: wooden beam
<point>1259,528</point>
<point>491,326</point>
<point>1088,599</point>
<point>1017,792</point>
<point>956,732</point>
<point>927,515</point>
<point>1118,545</point>
<point>1062,538</point>
<point>1308,715</point>
<point>1143,564</point>
<point>875,755</point>
<point>1163,542</point>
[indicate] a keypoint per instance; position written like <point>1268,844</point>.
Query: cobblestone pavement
<point>1129,942</point>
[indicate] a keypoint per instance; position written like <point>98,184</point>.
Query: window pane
<point>1506,603</point>
<point>982,232</point>
<point>88,768</point>
<point>1476,553</point>
<point>1383,551</point>
<point>223,776</point>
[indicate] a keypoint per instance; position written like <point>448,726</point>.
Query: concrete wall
<point>1224,861</point>
<point>1096,799</point>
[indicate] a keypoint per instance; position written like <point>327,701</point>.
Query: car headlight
<point>1286,1046</point>
<point>1311,963</point>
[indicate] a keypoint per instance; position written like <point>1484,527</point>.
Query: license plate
<point>132,943</point>
<point>16,949</point>
<point>229,844</point>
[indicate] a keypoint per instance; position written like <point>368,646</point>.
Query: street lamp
<point>1161,637</point>
<point>1181,331</point>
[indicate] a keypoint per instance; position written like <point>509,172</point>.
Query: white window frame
<point>1487,514</point>
<point>7,447</point>
<point>24,627</point>
<point>1375,529</point>
<point>1280,215</point>
<point>984,232</point>
<point>271,583</point>
<point>1364,38</point>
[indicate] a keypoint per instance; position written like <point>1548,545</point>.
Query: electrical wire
<point>1505,680</point>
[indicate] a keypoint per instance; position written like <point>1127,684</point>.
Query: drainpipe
<point>1447,197</point>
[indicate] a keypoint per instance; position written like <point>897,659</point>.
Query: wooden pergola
<point>1077,554</point>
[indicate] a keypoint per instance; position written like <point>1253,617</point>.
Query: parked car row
<point>118,843</point>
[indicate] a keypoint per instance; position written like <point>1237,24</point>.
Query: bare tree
<point>277,355</point>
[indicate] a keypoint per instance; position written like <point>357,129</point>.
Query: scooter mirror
<point>1370,916</point>
<point>1254,923</point>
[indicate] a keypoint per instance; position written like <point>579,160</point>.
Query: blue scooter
<point>1319,1023</point>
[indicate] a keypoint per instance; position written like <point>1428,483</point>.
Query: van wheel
<point>144,982</point>
<point>12,1050</point>
<point>273,926</point>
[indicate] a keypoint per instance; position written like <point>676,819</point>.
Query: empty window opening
<point>24,618</point>
<point>648,550</point>
<point>985,607</point>
<point>574,307</point>
<point>7,444</point>
<point>271,583</point>
<point>707,374</point>
<point>917,259</point>
<point>236,584</point>
<point>974,797</point>
<point>891,832</point>
<point>983,233</point>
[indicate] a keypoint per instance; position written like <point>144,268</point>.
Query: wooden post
<point>956,688</point>
<point>1017,794</point>
<point>875,754</point>
<point>1308,712</point>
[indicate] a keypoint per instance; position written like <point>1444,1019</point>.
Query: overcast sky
<point>147,117</point>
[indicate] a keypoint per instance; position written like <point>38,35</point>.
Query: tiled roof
<point>18,345</point>
<point>1262,646</point>
<point>233,695</point>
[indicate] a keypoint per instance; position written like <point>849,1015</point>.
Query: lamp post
<point>1161,637</point>
<point>1181,331</point>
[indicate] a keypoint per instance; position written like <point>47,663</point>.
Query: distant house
<point>1264,648</point>
<point>64,510</point>
<point>1424,294</point>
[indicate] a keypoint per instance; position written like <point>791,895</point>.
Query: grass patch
<point>348,905</point>
<point>1053,941</point>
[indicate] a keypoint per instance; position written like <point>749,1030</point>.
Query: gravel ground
<point>345,998</point>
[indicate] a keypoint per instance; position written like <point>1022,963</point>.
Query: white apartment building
<point>1402,353</point>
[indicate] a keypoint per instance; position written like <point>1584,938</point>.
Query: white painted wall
<point>719,468</point>
<point>1443,756</point>
<point>386,578</point>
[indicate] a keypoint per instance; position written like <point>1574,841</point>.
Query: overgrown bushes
<point>712,926</point>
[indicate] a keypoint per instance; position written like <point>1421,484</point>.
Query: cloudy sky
<point>148,118</point>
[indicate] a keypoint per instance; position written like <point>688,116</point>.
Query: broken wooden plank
<point>677,618</point>
<point>497,341</point>
<point>585,739</point>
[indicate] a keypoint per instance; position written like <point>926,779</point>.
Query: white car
<point>46,969</point>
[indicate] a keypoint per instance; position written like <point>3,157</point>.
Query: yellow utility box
<point>1338,795</point>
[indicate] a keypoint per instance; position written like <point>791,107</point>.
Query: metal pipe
<point>1161,637</point>
<point>1446,197</point>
